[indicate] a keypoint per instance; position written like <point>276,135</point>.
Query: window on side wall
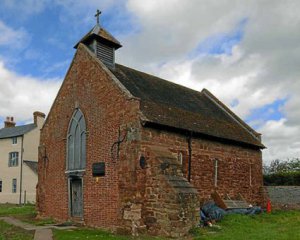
<point>14,185</point>
<point>250,174</point>
<point>14,140</point>
<point>0,185</point>
<point>13,159</point>
<point>216,163</point>
<point>180,158</point>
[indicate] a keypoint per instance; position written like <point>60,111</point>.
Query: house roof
<point>100,33</point>
<point>16,131</point>
<point>169,104</point>
<point>33,165</point>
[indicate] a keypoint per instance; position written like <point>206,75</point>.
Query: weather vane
<point>97,15</point>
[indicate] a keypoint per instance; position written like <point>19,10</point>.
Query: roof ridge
<point>19,126</point>
<point>24,125</point>
<point>108,72</point>
<point>227,110</point>
<point>100,32</point>
<point>16,131</point>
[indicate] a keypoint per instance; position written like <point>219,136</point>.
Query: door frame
<point>70,179</point>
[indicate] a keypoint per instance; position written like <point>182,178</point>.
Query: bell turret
<point>102,43</point>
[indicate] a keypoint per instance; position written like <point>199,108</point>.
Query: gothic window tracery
<point>76,144</point>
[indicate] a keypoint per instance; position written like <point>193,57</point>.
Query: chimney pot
<point>9,122</point>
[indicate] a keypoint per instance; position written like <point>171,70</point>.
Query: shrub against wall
<point>282,173</point>
<point>282,179</point>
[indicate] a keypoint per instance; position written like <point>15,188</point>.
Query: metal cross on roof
<point>97,15</point>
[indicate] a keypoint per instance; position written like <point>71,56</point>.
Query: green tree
<point>279,166</point>
<point>282,172</point>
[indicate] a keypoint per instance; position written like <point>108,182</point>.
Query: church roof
<point>169,104</point>
<point>99,32</point>
<point>16,131</point>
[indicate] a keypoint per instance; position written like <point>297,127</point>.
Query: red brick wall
<point>105,108</point>
<point>233,165</point>
<point>119,199</point>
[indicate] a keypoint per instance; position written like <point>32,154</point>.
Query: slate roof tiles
<point>170,104</point>
<point>16,131</point>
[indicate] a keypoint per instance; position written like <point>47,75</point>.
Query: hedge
<point>282,179</point>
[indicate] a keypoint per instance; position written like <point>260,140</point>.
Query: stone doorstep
<point>43,234</point>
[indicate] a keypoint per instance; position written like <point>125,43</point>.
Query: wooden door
<point>76,198</point>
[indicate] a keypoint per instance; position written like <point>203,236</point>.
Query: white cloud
<point>283,140</point>
<point>262,68</point>
<point>12,38</point>
<point>20,96</point>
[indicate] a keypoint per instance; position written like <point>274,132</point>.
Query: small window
<point>216,172</point>
<point>14,140</point>
<point>180,158</point>
<point>14,185</point>
<point>250,175</point>
<point>0,185</point>
<point>13,160</point>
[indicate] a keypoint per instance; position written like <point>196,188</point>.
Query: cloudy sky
<point>247,53</point>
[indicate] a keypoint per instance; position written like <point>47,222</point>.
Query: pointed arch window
<point>76,144</point>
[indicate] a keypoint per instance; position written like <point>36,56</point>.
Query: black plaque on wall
<point>98,169</point>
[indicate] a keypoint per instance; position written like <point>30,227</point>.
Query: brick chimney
<point>38,116</point>
<point>9,122</point>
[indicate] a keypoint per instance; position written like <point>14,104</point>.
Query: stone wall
<point>284,197</point>
<point>171,202</point>
<point>239,168</point>
<point>155,197</point>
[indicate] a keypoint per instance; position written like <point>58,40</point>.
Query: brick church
<point>128,151</point>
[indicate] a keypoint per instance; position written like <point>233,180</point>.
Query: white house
<point>18,169</point>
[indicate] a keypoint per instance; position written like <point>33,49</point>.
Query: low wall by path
<point>284,197</point>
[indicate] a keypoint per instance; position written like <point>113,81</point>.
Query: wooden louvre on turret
<point>105,53</point>
<point>102,44</point>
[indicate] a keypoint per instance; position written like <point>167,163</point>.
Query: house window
<point>14,185</point>
<point>76,146</point>
<point>13,160</point>
<point>216,162</point>
<point>14,140</point>
<point>0,185</point>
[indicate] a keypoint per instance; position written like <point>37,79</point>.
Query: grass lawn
<point>16,210</point>
<point>279,225</point>
<point>93,234</point>
<point>25,213</point>
<point>8,232</point>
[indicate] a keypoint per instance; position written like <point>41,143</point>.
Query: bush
<point>282,179</point>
